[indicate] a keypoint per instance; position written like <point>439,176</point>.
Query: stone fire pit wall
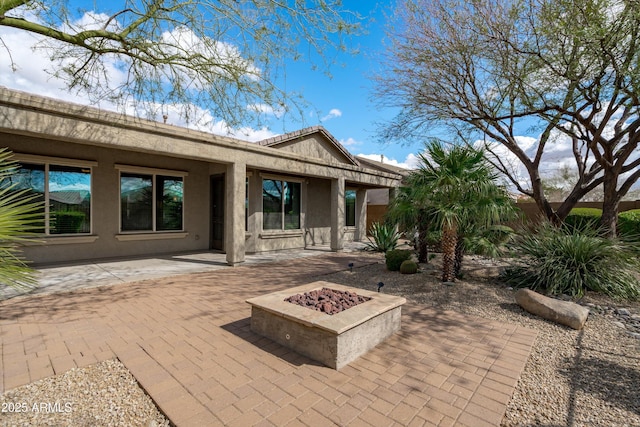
<point>334,340</point>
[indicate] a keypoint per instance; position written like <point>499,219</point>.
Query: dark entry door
<point>217,212</point>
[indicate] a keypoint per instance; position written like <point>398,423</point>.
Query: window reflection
<point>65,192</point>
<point>69,200</point>
<point>280,205</point>
<point>350,208</point>
<point>137,197</point>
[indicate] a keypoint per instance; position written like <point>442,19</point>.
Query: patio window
<point>280,205</point>
<point>63,190</point>
<point>151,202</point>
<point>350,208</point>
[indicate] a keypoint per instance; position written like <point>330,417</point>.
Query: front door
<point>217,212</point>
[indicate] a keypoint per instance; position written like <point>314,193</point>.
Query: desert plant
<point>20,216</point>
<point>629,223</point>
<point>460,188</point>
<point>395,258</point>
<point>489,241</point>
<point>558,260</point>
<point>581,219</point>
<point>412,213</point>
<point>408,267</point>
<point>385,237</point>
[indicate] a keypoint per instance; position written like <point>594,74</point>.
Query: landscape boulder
<point>564,312</point>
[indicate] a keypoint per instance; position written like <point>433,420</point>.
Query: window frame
<point>282,179</point>
<point>47,162</point>
<point>154,173</point>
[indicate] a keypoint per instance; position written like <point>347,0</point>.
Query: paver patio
<point>187,340</point>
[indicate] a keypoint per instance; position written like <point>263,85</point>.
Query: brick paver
<point>188,342</point>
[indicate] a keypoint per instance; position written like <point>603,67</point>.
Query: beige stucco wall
<point>315,206</point>
<point>315,219</point>
<point>318,227</point>
<point>259,240</point>
<point>28,114</point>
<point>105,202</point>
<point>315,146</point>
<point>40,126</point>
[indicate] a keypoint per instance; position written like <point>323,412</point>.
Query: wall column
<point>234,232</point>
<point>361,215</point>
<point>337,214</point>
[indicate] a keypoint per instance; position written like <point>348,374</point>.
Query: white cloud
<point>267,110</point>
<point>183,40</point>
<point>333,113</point>
<point>558,155</point>
<point>28,68</point>
<point>207,123</point>
<point>350,142</point>
<point>23,68</point>
<point>410,162</point>
<point>252,135</point>
<point>91,21</point>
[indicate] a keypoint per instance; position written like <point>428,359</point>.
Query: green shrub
<point>408,267</point>
<point>67,221</point>
<point>563,261</point>
<point>489,241</point>
<point>433,238</point>
<point>583,219</point>
<point>385,237</point>
<point>394,258</point>
<point>629,223</point>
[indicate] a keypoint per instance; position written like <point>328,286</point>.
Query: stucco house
<point>115,185</point>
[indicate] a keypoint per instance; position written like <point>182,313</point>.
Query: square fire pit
<point>333,340</point>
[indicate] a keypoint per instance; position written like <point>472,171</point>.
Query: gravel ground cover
<point>104,394</point>
<point>572,378</point>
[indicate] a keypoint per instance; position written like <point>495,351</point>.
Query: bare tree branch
<point>218,55</point>
<point>495,65</point>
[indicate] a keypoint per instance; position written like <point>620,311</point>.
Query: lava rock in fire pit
<point>329,301</point>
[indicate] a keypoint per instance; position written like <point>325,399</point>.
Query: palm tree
<point>20,216</point>
<point>412,213</point>
<point>461,189</point>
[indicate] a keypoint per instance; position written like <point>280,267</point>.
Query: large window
<point>65,194</point>
<point>280,205</point>
<point>150,202</point>
<point>350,208</point>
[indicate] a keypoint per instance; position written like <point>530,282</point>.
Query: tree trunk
<point>569,203</point>
<point>449,240</point>
<point>540,199</point>
<point>610,206</point>
<point>423,248</point>
<point>457,265</point>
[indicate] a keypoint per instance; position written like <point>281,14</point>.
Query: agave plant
<point>20,215</point>
<point>383,237</point>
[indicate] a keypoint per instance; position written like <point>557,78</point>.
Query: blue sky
<point>348,93</point>
<point>342,103</point>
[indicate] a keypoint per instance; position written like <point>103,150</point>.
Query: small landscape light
<point>380,285</point>
<point>350,266</point>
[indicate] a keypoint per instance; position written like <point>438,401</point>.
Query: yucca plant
<point>383,237</point>
<point>562,260</point>
<point>20,215</point>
